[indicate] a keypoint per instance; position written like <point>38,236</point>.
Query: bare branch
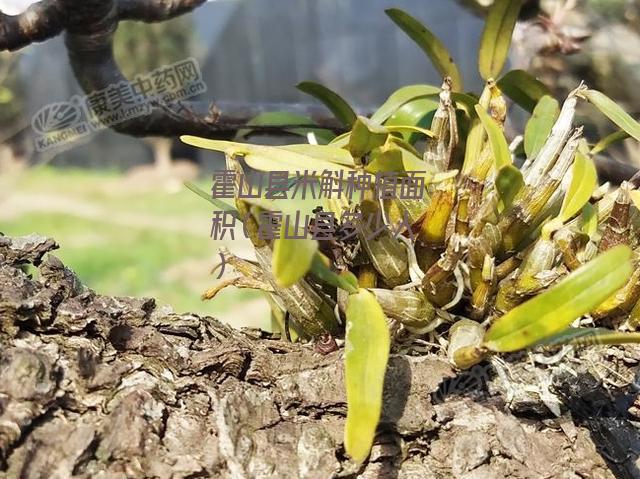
<point>41,21</point>
<point>90,26</point>
<point>49,18</point>
<point>155,10</point>
<point>91,57</point>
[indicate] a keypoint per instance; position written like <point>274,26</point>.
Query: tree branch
<point>41,21</point>
<point>155,10</point>
<point>90,26</point>
<point>49,18</point>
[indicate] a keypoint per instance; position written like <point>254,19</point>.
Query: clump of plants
<point>493,258</point>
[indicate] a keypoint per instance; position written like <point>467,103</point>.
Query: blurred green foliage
<point>11,90</point>
<point>141,47</point>
<point>127,241</point>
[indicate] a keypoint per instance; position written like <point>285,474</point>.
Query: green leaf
<point>400,97</point>
<point>269,158</point>
<point>418,112</point>
<point>613,111</point>
<point>609,140</point>
<point>402,144</point>
<point>385,160</point>
<point>394,158</point>
<point>292,257</point>
<point>465,102</point>
<point>338,106</point>
<point>429,43</point>
<point>496,37</point>
<point>6,95</point>
<point>350,278</point>
<point>341,141</point>
<point>278,119</point>
<point>540,124</point>
<point>367,345</point>
<point>476,136</point>
<point>366,135</point>
<point>411,129</point>
<point>221,205</point>
<point>583,181</point>
<point>590,337</point>
<point>508,182</point>
<point>320,268</point>
<point>330,153</point>
<point>411,161</point>
<point>589,220</point>
<point>499,146</point>
<point>523,88</point>
<point>554,310</point>
<point>635,198</point>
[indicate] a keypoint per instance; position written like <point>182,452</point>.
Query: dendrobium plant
<point>494,258</point>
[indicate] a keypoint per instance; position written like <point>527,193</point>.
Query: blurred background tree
<point>564,42</point>
<point>12,117</point>
<point>139,48</point>
<point>608,60</point>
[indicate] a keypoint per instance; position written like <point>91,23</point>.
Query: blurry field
<point>122,239</point>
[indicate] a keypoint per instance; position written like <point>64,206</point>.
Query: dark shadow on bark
<point>471,383</point>
<point>397,378</point>
<point>605,416</point>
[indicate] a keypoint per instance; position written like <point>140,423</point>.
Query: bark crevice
<point>103,387</point>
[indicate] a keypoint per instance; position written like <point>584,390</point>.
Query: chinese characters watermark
<point>321,225</point>
<point>328,184</point>
<point>62,122</point>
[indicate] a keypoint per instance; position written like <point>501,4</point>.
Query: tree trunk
<point>9,162</point>
<point>161,153</point>
<point>103,387</point>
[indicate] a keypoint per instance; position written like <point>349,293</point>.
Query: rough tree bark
<point>104,387</point>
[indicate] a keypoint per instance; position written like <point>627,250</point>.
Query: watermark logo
<point>63,122</point>
<point>59,123</point>
<point>55,117</point>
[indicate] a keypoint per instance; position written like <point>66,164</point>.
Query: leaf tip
<point>357,449</point>
<point>188,139</point>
